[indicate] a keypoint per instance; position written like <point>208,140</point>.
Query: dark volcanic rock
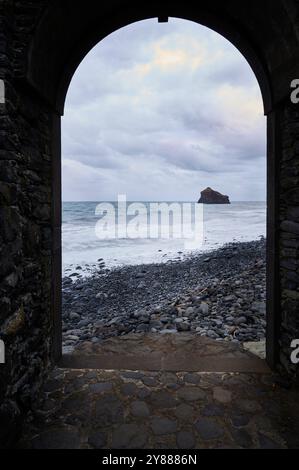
<point>209,196</point>
<point>224,299</point>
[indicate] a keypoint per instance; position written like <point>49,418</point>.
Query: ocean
<point>238,222</point>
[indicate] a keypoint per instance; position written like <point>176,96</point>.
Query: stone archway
<point>41,48</point>
<point>64,73</point>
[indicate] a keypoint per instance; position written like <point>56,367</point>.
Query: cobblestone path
<point>161,410</point>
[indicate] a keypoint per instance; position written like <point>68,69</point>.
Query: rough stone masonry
<point>41,44</point>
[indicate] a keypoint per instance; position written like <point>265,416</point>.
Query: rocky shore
<point>221,295</point>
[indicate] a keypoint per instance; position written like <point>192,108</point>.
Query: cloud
<point>160,112</point>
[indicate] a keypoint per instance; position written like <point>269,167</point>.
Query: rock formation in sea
<point>209,196</point>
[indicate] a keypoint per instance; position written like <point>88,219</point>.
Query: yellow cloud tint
<point>165,57</point>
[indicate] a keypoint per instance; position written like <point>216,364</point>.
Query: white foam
<point>238,222</point>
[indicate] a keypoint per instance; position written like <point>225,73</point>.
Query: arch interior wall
<point>41,44</point>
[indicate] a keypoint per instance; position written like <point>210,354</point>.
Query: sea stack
<point>209,196</point>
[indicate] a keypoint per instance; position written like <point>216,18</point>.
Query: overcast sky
<point>160,112</point>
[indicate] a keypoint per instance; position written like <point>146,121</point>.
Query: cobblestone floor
<point>161,410</point>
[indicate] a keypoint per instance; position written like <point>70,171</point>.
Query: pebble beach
<point>220,295</point>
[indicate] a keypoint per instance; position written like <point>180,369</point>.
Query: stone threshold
<point>183,352</point>
<point>154,362</point>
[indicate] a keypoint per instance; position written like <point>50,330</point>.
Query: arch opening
<point>228,92</point>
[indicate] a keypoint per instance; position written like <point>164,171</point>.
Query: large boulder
<point>209,196</point>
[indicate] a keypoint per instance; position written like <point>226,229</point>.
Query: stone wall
<point>25,225</point>
<point>26,182</point>
<point>289,237</point>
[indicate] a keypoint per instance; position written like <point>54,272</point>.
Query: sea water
<point>237,222</point>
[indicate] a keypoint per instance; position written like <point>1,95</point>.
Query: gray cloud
<point>161,111</point>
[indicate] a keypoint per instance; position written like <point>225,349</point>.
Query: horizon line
<point>157,200</point>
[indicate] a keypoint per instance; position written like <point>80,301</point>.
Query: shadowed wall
<point>41,45</point>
